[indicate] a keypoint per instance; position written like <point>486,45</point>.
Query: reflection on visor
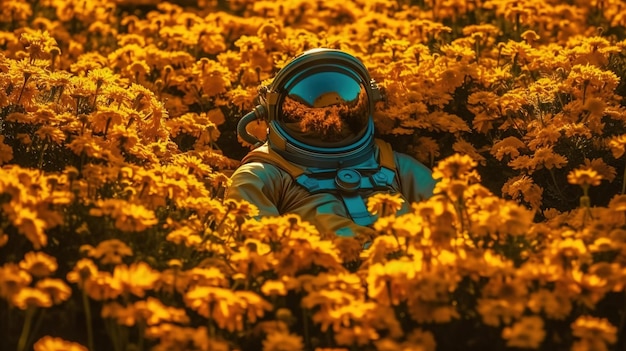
<point>325,107</point>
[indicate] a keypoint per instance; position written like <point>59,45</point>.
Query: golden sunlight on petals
<point>49,343</point>
<point>527,333</point>
<point>39,264</point>
<point>584,177</point>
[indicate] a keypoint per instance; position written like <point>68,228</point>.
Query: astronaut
<point>321,159</point>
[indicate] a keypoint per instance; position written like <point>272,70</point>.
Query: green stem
<point>36,326</point>
<point>88,321</point>
<point>556,184</point>
<point>28,321</point>
<point>19,98</point>
<point>43,151</point>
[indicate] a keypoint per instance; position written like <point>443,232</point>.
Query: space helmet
<point>319,110</point>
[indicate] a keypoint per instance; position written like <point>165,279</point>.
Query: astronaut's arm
<point>256,183</point>
<point>416,180</point>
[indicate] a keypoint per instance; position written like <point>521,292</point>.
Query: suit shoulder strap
<point>386,157</point>
<point>264,154</point>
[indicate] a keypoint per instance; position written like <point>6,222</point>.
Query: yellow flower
<point>384,204</point>
<point>83,270</point>
<point>508,146</point>
<point>241,209</point>
<point>594,328</point>
<point>39,264</point>
<point>421,339</point>
<point>49,343</point>
<point>151,311</point>
<point>4,238</point>
<point>356,335</point>
<point>102,287</point>
<point>136,278</point>
<point>425,149</point>
<point>516,219</point>
<point>252,304</point>
<point>546,157</point>
<point>584,177</point>
<point>6,151</point>
<point>253,258</point>
<point>226,307</point>
<point>12,279</point>
<point>274,288</point>
<point>38,44</point>
<point>555,304</point>
<point>618,203</point>
<point>388,284</point>
<point>454,167</point>
<point>174,337</point>
<point>129,217</point>
<point>527,333</point>
<point>568,250</point>
<point>122,314</point>
<point>617,145</point>
<point>465,148</point>
<point>525,186</point>
<point>31,297</point>
<point>111,251</point>
<point>604,170</point>
<point>31,225</point>
<point>209,276</point>
<point>57,289</point>
<point>495,311</point>
<point>349,248</point>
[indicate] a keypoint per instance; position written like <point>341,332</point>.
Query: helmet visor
<point>325,107</point>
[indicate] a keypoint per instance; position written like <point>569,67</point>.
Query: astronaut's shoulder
<point>264,155</point>
<point>405,161</point>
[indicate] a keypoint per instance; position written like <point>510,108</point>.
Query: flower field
<point>117,136</point>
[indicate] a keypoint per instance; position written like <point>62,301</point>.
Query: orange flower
<point>555,304</point>
<point>454,167</point>
<point>83,270</point>
<point>39,264</point>
<point>31,297</point>
<point>584,177</point>
<point>274,288</point>
<point>12,279</point>
<point>219,304</point>
<point>151,311</point>
<point>384,204</point>
<point>254,258</point>
<point>524,186</point>
<point>111,251</point>
<point>136,278</point>
<point>6,152</point>
<point>425,149</point>
<point>604,170</point>
<point>593,328</point>
<point>508,146</point>
<point>57,289</point>
<point>28,223</point>
<point>49,343</point>
<point>129,217</point>
<point>546,157</point>
<point>278,341</point>
<point>463,147</point>
<point>617,145</point>
<point>527,333</point>
<point>102,286</point>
